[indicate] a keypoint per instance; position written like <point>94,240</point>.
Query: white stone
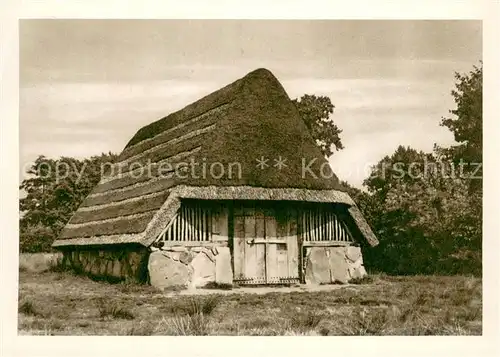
<point>165,272</point>
<point>357,272</point>
<point>186,257</point>
<point>317,266</point>
<point>172,255</point>
<point>203,271</point>
<point>353,253</point>
<point>209,254</point>
<point>223,270</point>
<point>339,267</point>
<point>196,249</point>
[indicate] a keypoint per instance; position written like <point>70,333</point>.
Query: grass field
<point>59,303</point>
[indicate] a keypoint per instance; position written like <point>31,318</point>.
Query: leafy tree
<point>425,214</point>
<point>405,165</point>
<point>467,123</point>
<point>315,111</point>
<point>54,190</point>
<point>426,222</point>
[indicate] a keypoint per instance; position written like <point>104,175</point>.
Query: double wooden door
<point>265,247</point>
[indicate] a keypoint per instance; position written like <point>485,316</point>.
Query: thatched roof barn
<point>235,178</point>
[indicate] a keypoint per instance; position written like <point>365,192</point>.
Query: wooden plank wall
<point>320,224</point>
<point>199,223</point>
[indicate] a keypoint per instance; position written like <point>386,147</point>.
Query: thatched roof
<point>233,127</point>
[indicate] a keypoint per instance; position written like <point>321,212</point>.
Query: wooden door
<point>265,246</point>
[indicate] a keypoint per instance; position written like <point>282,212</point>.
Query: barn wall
<point>114,263</point>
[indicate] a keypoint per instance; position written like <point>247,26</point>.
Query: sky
<point>86,86</point>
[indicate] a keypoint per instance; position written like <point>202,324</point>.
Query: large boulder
<point>353,253</point>
<point>165,272</point>
<point>317,266</point>
<point>223,270</point>
<point>325,265</point>
<point>356,268</point>
<point>339,267</point>
<point>203,271</point>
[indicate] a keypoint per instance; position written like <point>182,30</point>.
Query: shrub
<point>306,321</point>
<point>364,322</point>
<point>367,279</point>
<point>201,306</point>
<point>221,286</point>
<point>188,325</point>
<point>27,307</point>
<point>36,239</point>
<point>114,310</point>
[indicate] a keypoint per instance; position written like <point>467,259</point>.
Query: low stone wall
<point>116,263</point>
<point>327,265</point>
<point>191,267</point>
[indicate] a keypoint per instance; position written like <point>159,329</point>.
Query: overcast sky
<point>86,86</point>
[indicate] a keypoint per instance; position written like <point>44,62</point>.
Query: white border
<point>13,345</point>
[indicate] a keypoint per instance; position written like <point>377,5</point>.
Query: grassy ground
<point>59,303</point>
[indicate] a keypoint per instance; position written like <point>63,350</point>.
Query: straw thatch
<point>244,121</point>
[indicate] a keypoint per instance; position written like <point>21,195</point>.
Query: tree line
<point>425,207</point>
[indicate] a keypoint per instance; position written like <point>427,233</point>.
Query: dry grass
<point>58,303</point>
<point>113,310</point>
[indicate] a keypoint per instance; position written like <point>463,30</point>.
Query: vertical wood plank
<point>193,213</point>
<point>315,224</point>
<point>303,228</point>
<point>238,245</point>
<point>190,223</point>
<point>205,223</point>
<point>198,228</point>
<point>327,225</point>
<point>209,225</point>
<point>282,229</point>
<point>334,227</point>
<point>271,227</point>
<point>224,222</point>
<point>200,223</point>
<point>250,265</point>
<point>174,231</point>
<point>186,224</point>
<point>322,225</point>
<point>260,249</point>
<point>181,219</point>
<point>292,246</point>
<point>309,220</point>
<point>339,228</point>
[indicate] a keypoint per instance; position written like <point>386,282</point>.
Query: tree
<point>426,220</point>
<point>54,190</point>
<point>405,165</point>
<point>467,123</point>
<point>427,216</point>
<point>315,111</point>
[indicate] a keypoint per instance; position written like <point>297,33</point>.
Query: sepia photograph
<point>250,177</point>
